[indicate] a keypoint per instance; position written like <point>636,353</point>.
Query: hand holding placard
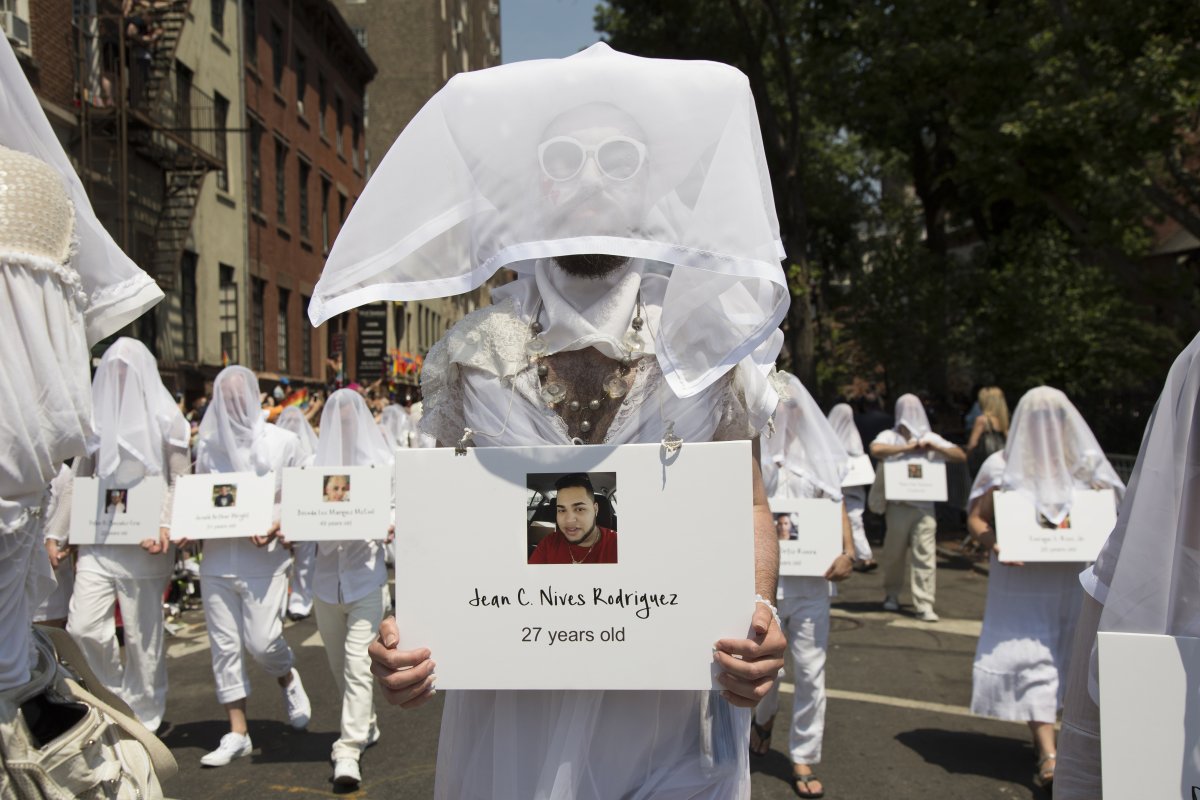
<point>405,676</point>
<point>749,666</point>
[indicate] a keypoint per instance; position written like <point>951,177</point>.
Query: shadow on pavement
<point>274,742</point>
<point>963,753</point>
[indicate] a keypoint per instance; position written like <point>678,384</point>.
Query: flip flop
<point>763,732</point>
<point>800,784</point>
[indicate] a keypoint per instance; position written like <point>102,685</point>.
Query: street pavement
<point>897,722</point>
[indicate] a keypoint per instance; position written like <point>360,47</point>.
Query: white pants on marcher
<point>304,558</point>
<point>856,501</point>
<point>245,612</point>
<point>909,526</point>
<point>347,629</point>
<point>142,680</point>
<point>805,618</point>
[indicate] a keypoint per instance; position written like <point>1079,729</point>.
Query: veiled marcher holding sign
<point>140,434</point>
<point>911,524</point>
<point>245,579</point>
<point>300,603</point>
<point>631,194</point>
<point>396,426</point>
<point>64,285</point>
<point>1023,652</point>
<point>804,458</point>
<point>1147,577</point>
<point>841,419</point>
<point>351,584</point>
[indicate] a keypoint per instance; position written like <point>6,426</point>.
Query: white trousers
<point>245,612</point>
<point>347,629</point>
<point>856,501</point>
<point>142,680</point>
<point>304,559</point>
<point>806,624</point>
<point>909,526</point>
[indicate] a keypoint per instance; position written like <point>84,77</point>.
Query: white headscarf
<point>1051,451</point>
<point>911,416</point>
<point>350,437</point>
<point>293,419</point>
<point>841,419</point>
<point>232,435</point>
<point>117,291</point>
<point>397,426</point>
<point>804,442</point>
<point>1149,570</point>
<point>601,152</point>
<point>134,414</point>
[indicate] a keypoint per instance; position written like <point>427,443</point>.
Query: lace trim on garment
<point>647,381</point>
<point>63,272</point>
<point>118,291</point>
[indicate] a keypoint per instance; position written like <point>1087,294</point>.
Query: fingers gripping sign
<point>405,676</point>
<point>749,666</point>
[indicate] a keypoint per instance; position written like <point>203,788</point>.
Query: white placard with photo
<point>1025,535</point>
<point>223,505</point>
<point>861,472</point>
<point>1150,715</point>
<point>816,524</point>
<point>915,479</point>
<point>336,503</point>
<point>471,530</point>
<point>106,512</point>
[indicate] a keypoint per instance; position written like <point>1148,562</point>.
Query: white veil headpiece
<point>293,419</point>
<point>233,435</point>
<point>911,416</point>
<point>841,419</point>
<point>396,425</point>
<point>1050,451</point>
<point>350,437</point>
<point>118,291</point>
<point>601,152</point>
<point>133,413</point>
<point>804,442</point>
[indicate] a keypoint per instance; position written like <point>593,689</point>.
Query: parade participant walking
<point>351,585</point>
<point>804,458</point>
<point>841,419</point>
<point>397,426</point>
<point>304,554</point>
<point>630,195</point>
<point>911,524</point>
<point>1022,655</point>
<point>245,580</point>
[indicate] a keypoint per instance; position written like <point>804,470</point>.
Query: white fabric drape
<point>349,434</point>
<point>911,416</point>
<point>293,419</point>
<point>232,437</point>
<point>804,443</point>
<point>841,419</point>
<point>397,427</point>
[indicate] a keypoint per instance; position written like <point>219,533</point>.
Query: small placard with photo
<point>861,472</point>
<point>1025,535</point>
<point>915,479</point>
<point>223,505</point>
<point>108,512</point>
<point>810,534</point>
<point>336,503</point>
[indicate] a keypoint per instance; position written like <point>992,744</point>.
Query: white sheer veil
<point>911,416</point>
<point>293,419</point>
<point>805,443</point>
<point>841,419</point>
<point>232,435</point>
<point>350,436</point>
<point>397,426</point>
<point>134,414</point>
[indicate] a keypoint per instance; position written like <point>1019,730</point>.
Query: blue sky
<point>545,28</point>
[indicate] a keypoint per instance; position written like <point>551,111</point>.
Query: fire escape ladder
<point>171,20</point>
<point>175,221</point>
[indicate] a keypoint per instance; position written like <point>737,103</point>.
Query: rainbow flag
<point>296,398</point>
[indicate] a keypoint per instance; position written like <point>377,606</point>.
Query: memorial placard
<point>1025,535</point>
<point>222,505</point>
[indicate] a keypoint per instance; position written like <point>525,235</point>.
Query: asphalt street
<point>897,723</point>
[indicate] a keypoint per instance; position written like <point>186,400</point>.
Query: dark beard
<point>590,265</point>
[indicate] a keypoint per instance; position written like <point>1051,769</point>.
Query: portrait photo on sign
<point>336,489</point>
<point>117,501</point>
<point>915,471</point>
<point>224,495</point>
<point>787,526</point>
<point>1044,522</point>
<point>571,518</point>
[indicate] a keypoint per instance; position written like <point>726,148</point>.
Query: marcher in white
<point>1022,655</point>
<point>140,434</point>
<point>1145,579</point>
<point>397,427</point>
<point>54,608</point>
<point>841,419</point>
<point>351,585</point>
<point>64,285</point>
<point>245,580</point>
<point>631,194</point>
<point>804,458</point>
<point>911,524</point>
<point>304,554</point>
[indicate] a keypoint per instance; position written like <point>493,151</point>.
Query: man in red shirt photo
<point>577,539</point>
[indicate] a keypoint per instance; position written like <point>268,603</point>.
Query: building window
<point>325,240</point>
<point>250,30</point>
<point>187,306</point>
<point>256,192</point>
<point>280,182</point>
<point>306,339</point>
<point>183,100</point>
<point>342,202</point>
<point>339,119</point>
<point>361,35</point>
<point>305,174</point>
<point>322,101</point>
<point>221,120</point>
<point>228,301</point>
<point>301,81</point>
<point>355,134</point>
<point>217,8</point>
<point>282,328</point>
<point>277,56</point>
<point>258,338</point>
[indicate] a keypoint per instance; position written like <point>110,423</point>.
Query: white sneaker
<point>927,615</point>
<point>299,710</point>
<point>891,603</point>
<point>346,773</point>
<point>233,745</point>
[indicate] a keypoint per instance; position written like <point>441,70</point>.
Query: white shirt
<point>348,571</point>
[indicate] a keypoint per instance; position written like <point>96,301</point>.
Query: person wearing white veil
<point>804,458</point>
<point>1023,651</point>
<point>300,603</point>
<point>911,524</point>
<point>841,419</point>
<point>351,585</point>
<point>631,195</point>
<point>64,285</point>
<point>245,580</point>
<point>1146,577</point>
<point>396,426</point>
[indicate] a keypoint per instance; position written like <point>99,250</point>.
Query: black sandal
<point>797,780</point>
<point>763,732</point>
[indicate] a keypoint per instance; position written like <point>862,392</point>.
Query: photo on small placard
<point>1043,522</point>
<point>571,518</point>
<point>916,471</point>
<point>787,526</point>
<point>224,495</point>
<point>336,489</point>
<point>116,501</point>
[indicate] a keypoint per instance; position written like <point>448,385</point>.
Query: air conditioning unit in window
<point>15,28</point>
<point>300,107</point>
